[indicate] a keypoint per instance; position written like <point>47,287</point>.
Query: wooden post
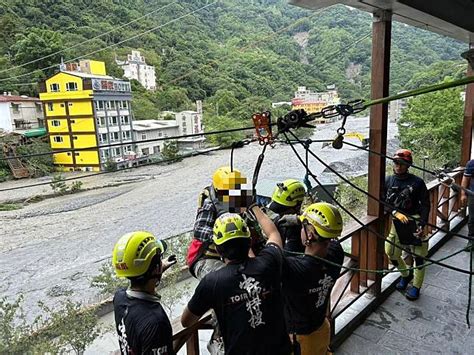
<point>467,135</point>
<point>192,344</point>
<point>381,40</point>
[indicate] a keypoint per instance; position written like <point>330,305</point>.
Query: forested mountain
<point>236,55</point>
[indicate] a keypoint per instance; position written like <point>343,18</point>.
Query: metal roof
<point>452,18</point>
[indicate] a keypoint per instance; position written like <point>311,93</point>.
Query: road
<point>49,250</point>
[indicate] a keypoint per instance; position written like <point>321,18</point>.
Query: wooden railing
<point>356,293</point>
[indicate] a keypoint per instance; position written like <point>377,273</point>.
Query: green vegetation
<point>355,201</point>
<point>10,206</point>
<point>60,187</point>
<point>233,54</point>
<point>170,151</point>
<point>69,327</point>
<point>431,126</point>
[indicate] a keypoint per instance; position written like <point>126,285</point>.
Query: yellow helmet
<point>133,253</point>
<point>225,179</point>
<point>289,193</point>
<point>229,226</point>
<point>325,218</point>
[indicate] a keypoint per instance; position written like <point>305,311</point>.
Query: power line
<point>88,40</point>
<point>215,61</point>
<point>109,172</point>
<point>129,143</point>
<point>115,44</point>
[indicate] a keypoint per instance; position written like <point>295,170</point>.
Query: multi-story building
<point>86,109</point>
<point>135,67</point>
<point>19,113</point>
<point>144,130</point>
<point>190,122</point>
<point>312,101</point>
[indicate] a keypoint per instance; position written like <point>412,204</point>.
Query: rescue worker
<point>246,293</point>
<point>228,193</point>
<point>468,183</point>
<point>308,281</point>
<point>141,322</point>
<point>284,208</point>
<point>409,197</point>
<point>224,195</point>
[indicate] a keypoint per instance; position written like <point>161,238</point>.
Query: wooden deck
<point>434,324</point>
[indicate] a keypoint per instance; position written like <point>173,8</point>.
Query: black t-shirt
<point>307,284</point>
<point>247,300</point>
<point>142,325</point>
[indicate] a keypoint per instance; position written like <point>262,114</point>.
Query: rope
<point>110,172</point>
<point>129,143</point>
<point>115,44</point>
<point>378,271</point>
<point>378,235</point>
<point>419,91</point>
<point>386,204</point>
<point>470,286</point>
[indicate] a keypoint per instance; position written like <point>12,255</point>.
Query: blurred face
<point>236,200</point>
<point>400,167</point>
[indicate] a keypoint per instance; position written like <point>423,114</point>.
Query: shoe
<point>413,293</point>
<point>404,281</point>
<point>216,346</point>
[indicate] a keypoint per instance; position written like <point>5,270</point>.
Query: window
<point>183,118</point>
<point>160,134</point>
<point>55,123</point>
<point>15,108</point>
<point>100,121</point>
<point>110,105</point>
<point>156,149</point>
<point>113,120</point>
<point>116,151</point>
<point>38,108</point>
<point>143,136</point>
<point>124,104</point>
<point>103,137</point>
<point>54,87</point>
<point>184,123</point>
<point>104,154</point>
<point>124,120</point>
<point>184,130</point>
<point>125,135</point>
<point>50,106</point>
<point>57,139</point>
<point>99,105</point>
<point>72,86</point>
<point>114,136</point>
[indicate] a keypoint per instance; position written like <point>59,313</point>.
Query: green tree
<point>220,123</point>
<point>36,44</point>
<point>171,151</point>
<point>431,126</point>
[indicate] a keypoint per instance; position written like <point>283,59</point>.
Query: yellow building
<point>312,101</point>
<point>86,108</point>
